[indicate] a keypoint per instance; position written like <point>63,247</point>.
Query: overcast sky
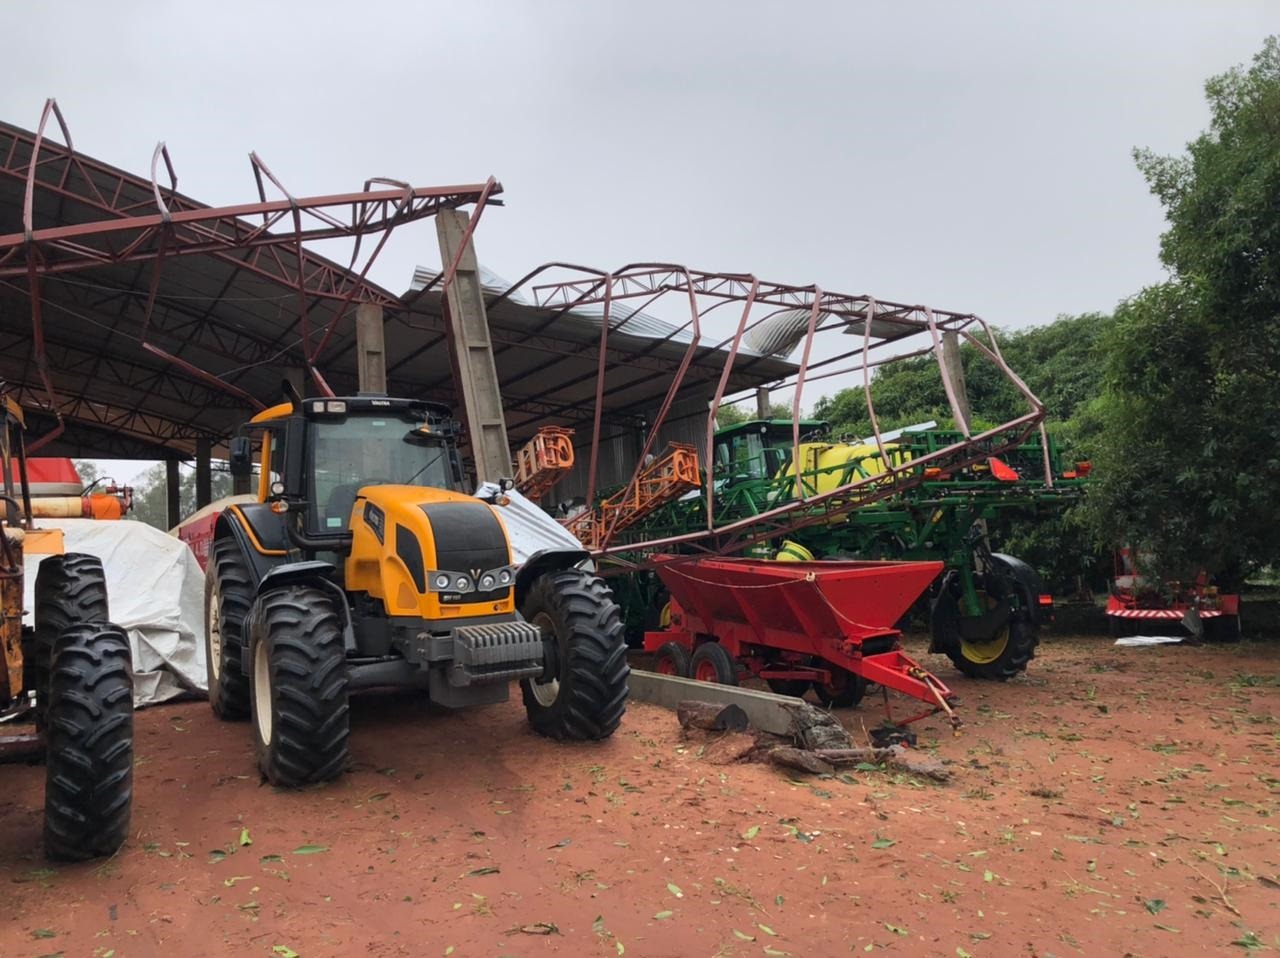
<point>968,155</point>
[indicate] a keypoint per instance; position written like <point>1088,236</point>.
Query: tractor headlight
<point>486,582</point>
<point>463,583</point>
<point>442,582</point>
<point>504,577</point>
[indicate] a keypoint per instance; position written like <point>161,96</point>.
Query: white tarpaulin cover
<point>1140,640</point>
<point>156,593</point>
<point>529,528</point>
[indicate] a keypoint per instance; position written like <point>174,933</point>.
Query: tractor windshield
<point>362,451</point>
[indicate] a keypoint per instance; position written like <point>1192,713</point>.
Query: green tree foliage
<point>1061,364</point>
<point>744,412</point>
<point>1058,362</point>
<point>151,496</point>
<point>1189,453</point>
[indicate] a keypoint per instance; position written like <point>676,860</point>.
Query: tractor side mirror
<point>240,457</point>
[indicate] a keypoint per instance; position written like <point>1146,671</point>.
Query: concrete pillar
<point>297,377</point>
<point>371,353</point>
<point>204,473</point>
<point>471,352</point>
<point>762,403</point>
<point>955,372</point>
<point>174,490</point>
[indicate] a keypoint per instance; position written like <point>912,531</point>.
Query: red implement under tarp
<point>802,619</point>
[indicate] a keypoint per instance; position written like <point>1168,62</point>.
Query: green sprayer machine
<point>985,607</point>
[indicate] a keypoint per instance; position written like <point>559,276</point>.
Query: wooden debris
<point>908,760</point>
<point>815,728</point>
<point>800,759</point>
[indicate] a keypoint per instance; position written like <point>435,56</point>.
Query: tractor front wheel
<point>582,694</point>
<point>299,688</point>
<point>89,768</point>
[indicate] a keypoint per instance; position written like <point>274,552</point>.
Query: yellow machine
<point>75,663</point>
<point>829,465</point>
<point>364,564</point>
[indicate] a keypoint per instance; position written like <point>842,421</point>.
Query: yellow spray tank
<point>825,466</point>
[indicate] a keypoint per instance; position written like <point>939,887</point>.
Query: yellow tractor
<point>364,564</point>
<point>76,666</point>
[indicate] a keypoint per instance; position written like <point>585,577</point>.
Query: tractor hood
<point>430,552</point>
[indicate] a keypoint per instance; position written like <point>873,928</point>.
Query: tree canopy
<point>1189,448</point>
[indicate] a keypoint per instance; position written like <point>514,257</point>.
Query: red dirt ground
<point>1115,802</point>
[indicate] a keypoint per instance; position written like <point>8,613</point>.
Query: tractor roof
<point>754,425</point>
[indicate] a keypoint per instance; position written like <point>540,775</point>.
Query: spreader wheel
<point>844,691</point>
<point>672,659</point>
<point>711,663</point>
<point>795,687</point>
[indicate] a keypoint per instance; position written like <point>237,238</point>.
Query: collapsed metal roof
<point>152,338</point>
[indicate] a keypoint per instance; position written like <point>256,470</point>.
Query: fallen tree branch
<point>896,756</point>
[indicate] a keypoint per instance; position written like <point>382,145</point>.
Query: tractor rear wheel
<point>227,597</point>
<point>582,694</point>
<point>999,656</point>
<point>89,768</point>
<point>711,662</point>
<point>301,720</point>
<point>672,658</point>
<point>71,589</point>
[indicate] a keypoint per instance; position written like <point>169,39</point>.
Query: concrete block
<point>764,709</point>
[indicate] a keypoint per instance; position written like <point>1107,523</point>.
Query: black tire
<point>845,690</point>
<point>672,658</point>
<point>795,687</point>
<point>70,589</point>
<point>1222,628</point>
<point>89,767</point>
<point>1118,627</point>
<point>301,721</point>
<point>1000,656</point>
<point>583,694</point>
<point>228,593</point>
<point>712,663</point>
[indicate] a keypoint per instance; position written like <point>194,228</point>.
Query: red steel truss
<point>265,238</point>
<point>868,324</point>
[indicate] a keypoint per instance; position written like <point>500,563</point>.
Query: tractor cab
<point>331,449</point>
<point>758,449</point>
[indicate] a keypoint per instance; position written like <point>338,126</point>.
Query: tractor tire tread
<point>71,589</point>
<point>593,689</point>
<point>311,717</point>
<point>229,693</point>
<point>89,774</point>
